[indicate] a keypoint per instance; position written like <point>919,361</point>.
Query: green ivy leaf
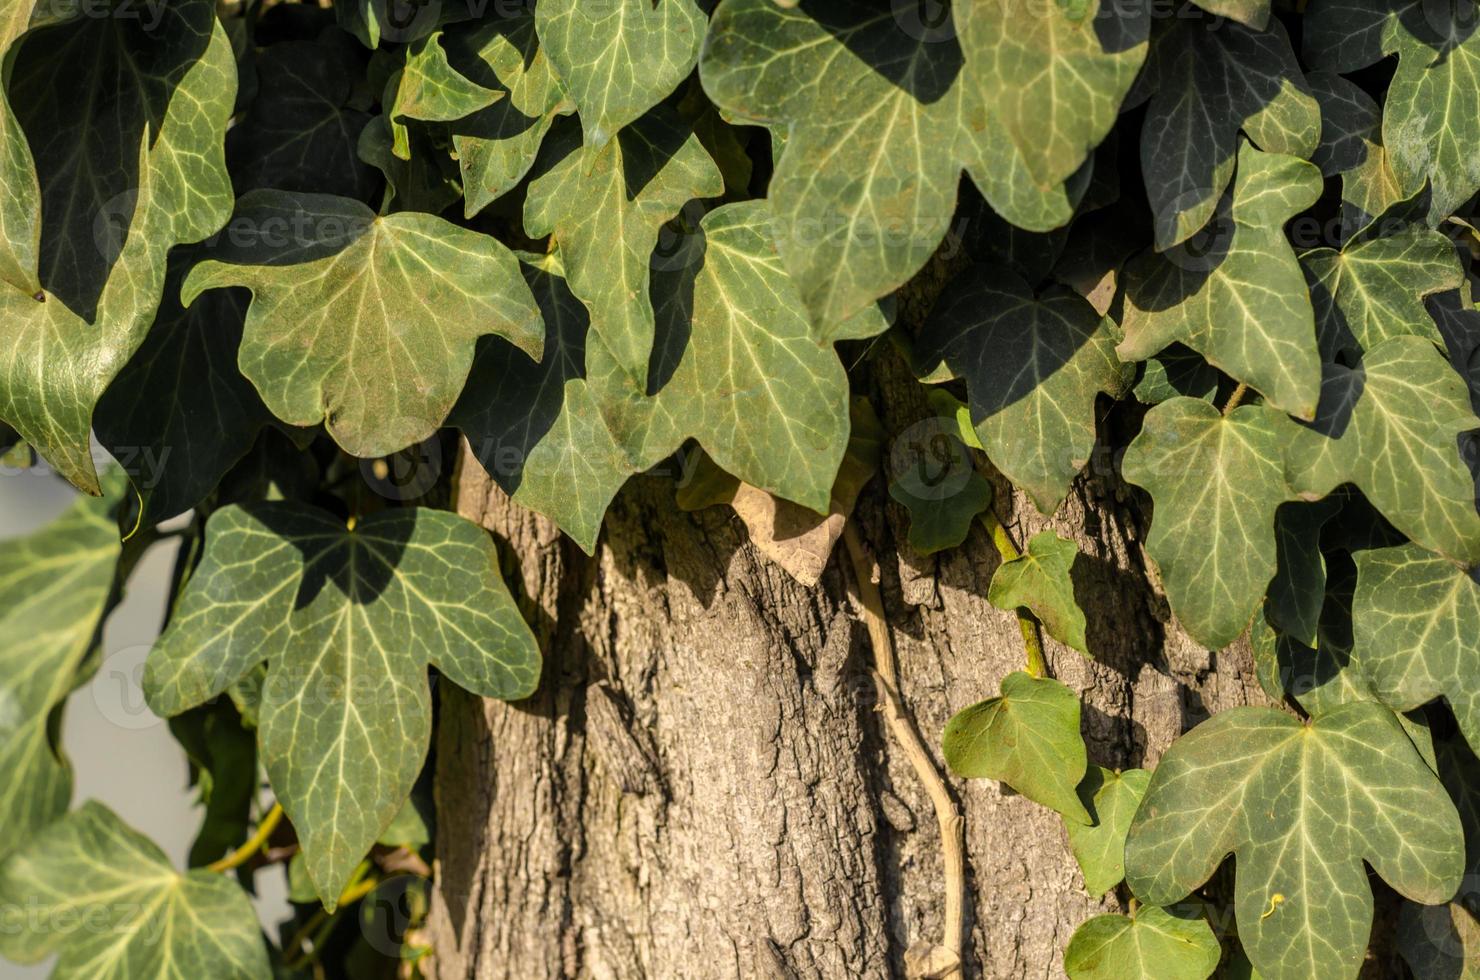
<point>1112,798</point>
<point>1038,580</point>
<point>858,207</point>
<point>1053,77</point>
<point>1439,940</point>
<point>1417,630</point>
<point>1349,123</point>
<point>619,59</point>
<point>1034,366</point>
<point>430,89</point>
<point>1028,738</point>
<point>497,146</point>
<point>427,182</point>
<point>1239,299</point>
<point>1390,427</point>
<point>302,128</point>
<point>943,493</point>
<point>56,586</point>
<point>348,621</point>
<point>117,189</point>
<point>1216,482</point>
<point>364,322</point>
<point>1301,806</point>
<point>1150,944</point>
<point>539,433</point>
<point>180,414</point>
<point>1212,81</point>
<point>605,208</point>
<point>1293,605</point>
<point>745,373</point>
<point>1374,289</point>
<point>1431,117</point>
<point>105,900</point>
<point>1177,370</point>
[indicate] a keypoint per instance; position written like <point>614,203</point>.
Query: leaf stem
<point>902,726</point>
<point>1037,665</point>
<point>254,844</point>
<point>1235,399</point>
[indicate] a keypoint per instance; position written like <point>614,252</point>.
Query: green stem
<point>1027,625</point>
<point>244,853</point>
<point>319,924</point>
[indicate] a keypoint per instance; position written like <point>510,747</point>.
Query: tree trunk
<point>704,786</point>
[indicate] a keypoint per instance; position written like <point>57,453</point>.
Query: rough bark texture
<point>703,786</point>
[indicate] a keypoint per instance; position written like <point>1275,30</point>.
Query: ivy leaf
<point>497,146</point>
<point>180,414</point>
<point>1301,806</point>
<point>1112,798</point>
<point>1429,123</point>
<point>1216,482</point>
<point>98,257</point>
<point>1375,288</point>
<point>348,621</point>
<point>1038,580</point>
<point>540,433</point>
<point>1416,618</point>
<point>1034,366</point>
<point>619,59</point>
<point>1239,297</point>
<point>1177,370</point>
<point>1439,940</point>
<point>364,322</point>
<point>56,586</point>
<point>1293,605</point>
<point>396,21</point>
<point>941,489</point>
<point>858,208</point>
<point>426,182</point>
<point>1349,123</point>
<point>740,368</point>
<point>105,900</point>
<point>605,208</point>
<point>1211,82</point>
<point>302,128</point>
<point>1390,426</point>
<point>430,89</point>
<point>1053,78</point>
<point>1028,738</point>
<point>1150,944</point>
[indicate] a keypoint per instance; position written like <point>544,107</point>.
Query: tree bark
<point>703,785</point>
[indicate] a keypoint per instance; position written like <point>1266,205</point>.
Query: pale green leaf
<point>1028,738</point>
<point>497,146</point>
<point>1038,580</point>
<point>118,188</point>
<point>432,90</point>
<point>1150,944</point>
<point>539,433</point>
<point>1216,482</point>
<point>1417,630</point>
<point>1239,299</point>
<point>55,588</point>
<point>1431,116</point>
<point>620,58</point>
<point>1053,77</point>
<point>1111,798</point>
<point>1301,806</point>
<point>364,322</point>
<point>856,95</point>
<point>1034,366</point>
<point>104,899</point>
<point>605,208</point>
<point>1213,80</point>
<point>348,621</point>
<point>1390,426</point>
<point>1374,289</point>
